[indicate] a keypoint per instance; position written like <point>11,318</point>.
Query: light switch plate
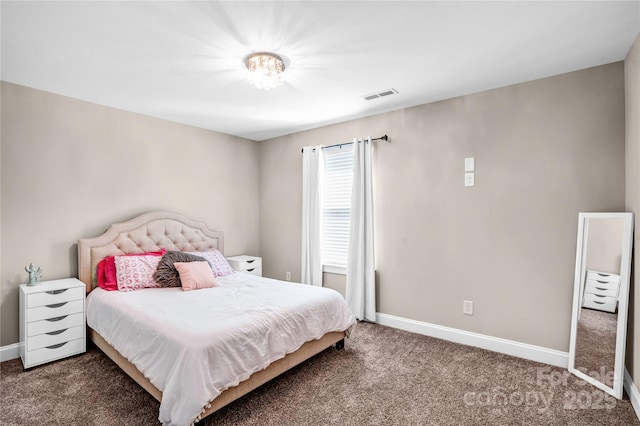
<point>469,179</point>
<point>469,164</point>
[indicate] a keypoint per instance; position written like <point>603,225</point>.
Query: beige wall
<point>545,150</point>
<point>604,245</point>
<point>70,168</point>
<point>632,200</point>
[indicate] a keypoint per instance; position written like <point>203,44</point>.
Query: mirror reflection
<point>601,295</point>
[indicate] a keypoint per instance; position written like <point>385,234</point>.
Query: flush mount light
<point>265,70</point>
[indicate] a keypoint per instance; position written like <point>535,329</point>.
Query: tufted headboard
<point>147,232</point>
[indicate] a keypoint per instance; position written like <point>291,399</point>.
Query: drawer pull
<point>53,333</point>
<point>601,282</point>
<point>600,288</point>
<point>59,345</point>
<point>598,295</point>
<point>57,291</point>
<point>599,303</point>
<point>57,318</point>
<point>251,261</point>
<point>251,270</point>
<point>602,275</point>
<point>56,305</point>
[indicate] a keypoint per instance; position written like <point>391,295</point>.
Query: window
<point>336,207</point>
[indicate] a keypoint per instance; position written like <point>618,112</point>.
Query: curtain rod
<point>381,138</point>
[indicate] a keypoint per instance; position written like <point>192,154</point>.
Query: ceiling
<point>183,61</point>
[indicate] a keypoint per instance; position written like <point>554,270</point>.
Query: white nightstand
<point>52,321</point>
<point>601,291</point>
<point>243,263</point>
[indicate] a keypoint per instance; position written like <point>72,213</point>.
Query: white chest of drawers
<point>601,291</point>
<point>52,321</point>
<point>244,263</point>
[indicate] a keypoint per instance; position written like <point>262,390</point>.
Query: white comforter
<point>192,345</point>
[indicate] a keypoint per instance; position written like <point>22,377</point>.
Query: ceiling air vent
<point>380,94</point>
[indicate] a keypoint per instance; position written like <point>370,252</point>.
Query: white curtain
<point>312,167</point>
<point>361,291</point>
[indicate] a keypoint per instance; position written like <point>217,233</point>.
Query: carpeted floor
<point>596,344</point>
<point>382,377</point>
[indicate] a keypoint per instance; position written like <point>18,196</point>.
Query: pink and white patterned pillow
<point>219,264</point>
<point>136,272</point>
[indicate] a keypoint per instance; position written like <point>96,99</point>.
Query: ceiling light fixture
<point>265,70</point>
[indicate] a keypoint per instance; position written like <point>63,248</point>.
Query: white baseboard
<point>632,391</point>
<point>9,352</point>
<point>495,344</point>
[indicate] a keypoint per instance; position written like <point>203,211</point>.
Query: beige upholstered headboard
<point>147,232</point>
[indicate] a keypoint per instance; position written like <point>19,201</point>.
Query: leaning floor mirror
<point>601,299</point>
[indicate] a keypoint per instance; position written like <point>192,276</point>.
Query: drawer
<point>56,310</point>
<point>605,285</point>
<point>602,289</point>
<point>54,352</point>
<point>603,303</point>
<point>248,265</point>
<point>603,299</point>
<point>254,271</point>
<point>54,296</point>
<point>55,337</point>
<point>54,324</point>
<point>603,277</point>
<point>599,305</point>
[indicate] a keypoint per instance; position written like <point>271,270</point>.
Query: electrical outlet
<point>467,307</point>
<point>287,276</point>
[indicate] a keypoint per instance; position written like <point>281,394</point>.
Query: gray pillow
<point>166,274</point>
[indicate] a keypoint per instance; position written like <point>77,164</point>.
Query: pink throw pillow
<point>136,272</point>
<point>219,264</point>
<point>106,270</point>
<point>195,275</point>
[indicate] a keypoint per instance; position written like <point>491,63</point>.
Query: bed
<point>197,351</point>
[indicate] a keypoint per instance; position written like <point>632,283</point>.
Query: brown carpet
<point>596,344</point>
<point>382,377</point>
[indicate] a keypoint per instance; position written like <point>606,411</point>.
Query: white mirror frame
<point>623,301</point>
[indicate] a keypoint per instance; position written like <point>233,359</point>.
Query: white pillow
<point>219,264</point>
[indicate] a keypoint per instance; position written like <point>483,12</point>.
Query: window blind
<point>336,205</point>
